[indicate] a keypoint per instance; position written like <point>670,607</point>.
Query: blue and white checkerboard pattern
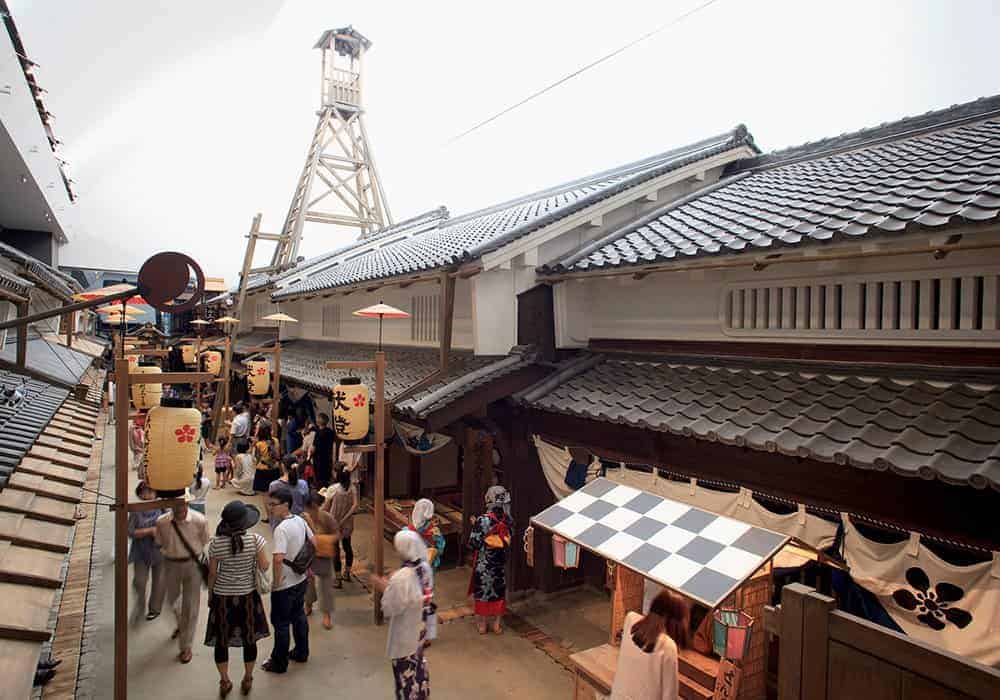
<point>699,554</point>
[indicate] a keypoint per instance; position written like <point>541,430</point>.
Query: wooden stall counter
<point>594,672</point>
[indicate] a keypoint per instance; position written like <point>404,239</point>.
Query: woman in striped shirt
<point>236,615</point>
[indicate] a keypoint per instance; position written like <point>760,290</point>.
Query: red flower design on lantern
<point>261,370</point>
<point>359,401</point>
<point>185,433</point>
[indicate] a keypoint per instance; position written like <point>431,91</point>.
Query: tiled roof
<point>948,431</point>
<point>922,173</point>
<point>473,235</point>
<point>304,361</point>
<point>21,425</point>
<point>423,403</point>
<point>16,284</point>
<point>257,337</point>
<point>55,281</point>
<point>54,360</point>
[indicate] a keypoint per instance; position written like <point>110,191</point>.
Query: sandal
<point>185,656</point>
<point>225,687</point>
<point>246,685</point>
<point>481,626</point>
<point>497,629</point>
<point>327,622</point>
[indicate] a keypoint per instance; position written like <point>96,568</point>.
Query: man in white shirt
<point>288,590</point>
<point>239,431</point>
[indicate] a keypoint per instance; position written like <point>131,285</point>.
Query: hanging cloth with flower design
<point>954,607</point>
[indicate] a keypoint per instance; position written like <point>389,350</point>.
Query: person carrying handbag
<point>321,583</point>
<point>236,618</point>
<point>182,535</point>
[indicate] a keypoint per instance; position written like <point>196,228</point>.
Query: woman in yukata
<point>490,540</point>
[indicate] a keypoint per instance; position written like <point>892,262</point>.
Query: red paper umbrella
<point>381,311</point>
<point>103,292</point>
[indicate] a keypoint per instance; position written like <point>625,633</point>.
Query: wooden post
<point>379,477</point>
<point>791,652</point>
<point>815,644</point>
<point>22,336</point>
<point>275,388</point>
<point>121,528</point>
<point>197,368</point>
<point>225,373</point>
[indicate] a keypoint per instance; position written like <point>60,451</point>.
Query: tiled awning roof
<point>304,362</point>
<point>884,181</point>
<point>54,360</point>
<point>473,235</point>
<point>257,337</point>
<point>944,430</point>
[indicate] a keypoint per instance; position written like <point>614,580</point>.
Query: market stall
<point>720,564</point>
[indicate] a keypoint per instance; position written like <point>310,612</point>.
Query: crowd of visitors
<point>311,500</point>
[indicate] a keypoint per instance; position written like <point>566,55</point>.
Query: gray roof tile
<point>879,181</point>
<point>470,236</point>
<point>910,428</point>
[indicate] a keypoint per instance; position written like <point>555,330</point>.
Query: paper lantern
<point>258,377</point>
<point>565,554</point>
<point>731,633</point>
<point>133,362</point>
<point>172,446</point>
<point>188,354</point>
<point>212,361</point>
<point>350,409</point>
<point>146,395</point>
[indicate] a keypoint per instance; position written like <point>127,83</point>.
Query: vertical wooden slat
<point>774,307</point>
<point>816,306</point>
<point>788,307</point>
<point>948,319</point>
<point>889,305</point>
<point>737,302</point>
<point>762,301</point>
<point>852,306</point>
<point>969,303</point>
<point>990,305</point>
<point>750,309</point>
<point>832,308</point>
<point>926,296</point>
<point>907,305</point>
<point>872,304</point>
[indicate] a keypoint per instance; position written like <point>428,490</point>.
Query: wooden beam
<point>22,335</point>
<point>121,588</point>
<point>169,378</point>
<point>379,478</point>
<point>60,310</point>
<point>445,323</point>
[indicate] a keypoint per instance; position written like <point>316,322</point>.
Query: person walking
<point>268,456</point>
<point>321,582</point>
<point>647,657</point>
<point>146,558</point>
<point>236,616</point>
<point>182,535</point>
<point>198,490</point>
<point>342,504</point>
<point>244,469</point>
<point>137,445</point>
<point>239,431</point>
<point>490,540</point>
<point>425,524</point>
<point>322,451</point>
<point>223,465</point>
<point>288,591</point>
<point>293,431</point>
<point>291,480</point>
<point>407,600</point>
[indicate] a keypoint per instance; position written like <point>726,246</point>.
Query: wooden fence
<point>826,654</point>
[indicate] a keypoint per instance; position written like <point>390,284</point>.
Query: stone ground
<point>349,660</point>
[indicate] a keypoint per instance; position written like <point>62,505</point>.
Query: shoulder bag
<point>198,559</point>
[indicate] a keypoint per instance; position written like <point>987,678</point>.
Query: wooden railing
<point>343,86</point>
<point>826,654</point>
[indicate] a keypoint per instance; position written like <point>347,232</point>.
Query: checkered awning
<point>701,555</point>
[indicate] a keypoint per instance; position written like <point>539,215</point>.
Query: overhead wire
<point>538,93</point>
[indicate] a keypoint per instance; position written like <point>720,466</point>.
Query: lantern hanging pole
<point>380,332</point>
<point>121,526</point>
<point>379,476</point>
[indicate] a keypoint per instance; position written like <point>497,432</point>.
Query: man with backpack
<point>294,550</point>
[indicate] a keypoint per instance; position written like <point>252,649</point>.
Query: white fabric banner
<point>954,607</point>
<point>805,527</point>
<point>555,462</point>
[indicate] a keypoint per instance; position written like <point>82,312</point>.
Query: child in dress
<point>223,465</point>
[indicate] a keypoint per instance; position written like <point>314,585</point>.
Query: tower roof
<point>347,41</point>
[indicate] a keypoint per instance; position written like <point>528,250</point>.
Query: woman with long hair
<point>324,527</point>
<point>342,504</point>
<point>268,456</point>
<point>236,615</point>
<point>292,481</point>
<point>647,659</point>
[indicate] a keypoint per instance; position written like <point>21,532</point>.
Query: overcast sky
<point>182,119</point>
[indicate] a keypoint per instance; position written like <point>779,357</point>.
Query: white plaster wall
<point>689,305</point>
<point>354,329</point>
<point>494,312</point>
